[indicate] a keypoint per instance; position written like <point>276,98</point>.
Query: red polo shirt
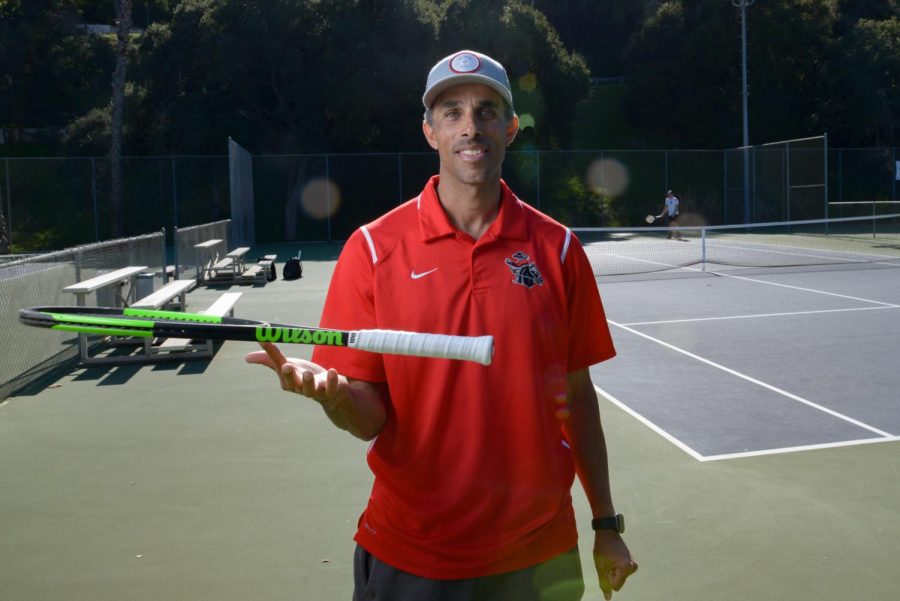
<point>472,472</point>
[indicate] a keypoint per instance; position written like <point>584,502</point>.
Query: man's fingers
<point>296,375</point>
<point>617,578</point>
<point>331,383</point>
<point>614,578</point>
<point>274,353</point>
<point>259,358</point>
<point>270,356</point>
<point>606,587</point>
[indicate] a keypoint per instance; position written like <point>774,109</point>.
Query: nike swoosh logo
<point>416,276</point>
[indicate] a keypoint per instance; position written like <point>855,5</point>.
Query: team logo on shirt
<point>525,272</point>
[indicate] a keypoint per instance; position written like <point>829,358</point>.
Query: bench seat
<point>105,279</point>
<point>224,305</point>
<point>225,263</point>
<point>165,294</point>
<point>238,252</point>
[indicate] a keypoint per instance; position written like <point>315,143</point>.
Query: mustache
<point>472,145</point>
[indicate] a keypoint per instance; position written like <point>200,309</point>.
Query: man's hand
<point>352,405</point>
<point>301,376</point>
<point>612,560</point>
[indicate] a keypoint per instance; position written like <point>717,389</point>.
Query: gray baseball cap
<point>466,66</point>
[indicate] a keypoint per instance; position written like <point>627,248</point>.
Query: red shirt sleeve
<point>590,340</point>
<point>350,305</point>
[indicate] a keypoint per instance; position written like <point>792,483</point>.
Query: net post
<point>873,218</point>
<point>787,180</point>
<point>724,187</point>
<point>702,248</point>
<point>825,165</point>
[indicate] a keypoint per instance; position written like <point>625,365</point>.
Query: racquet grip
<point>468,348</point>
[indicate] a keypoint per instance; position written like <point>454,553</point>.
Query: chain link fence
<point>41,279</point>
<point>53,203</point>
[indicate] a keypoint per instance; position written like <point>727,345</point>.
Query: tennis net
<point>625,251</point>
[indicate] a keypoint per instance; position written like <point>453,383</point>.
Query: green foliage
<point>50,69</point>
<point>869,105</point>
<point>685,71</point>
<point>599,30</point>
<point>282,75</point>
<point>346,75</point>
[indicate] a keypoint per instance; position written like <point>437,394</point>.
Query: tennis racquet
<point>145,323</point>
<point>650,218</point>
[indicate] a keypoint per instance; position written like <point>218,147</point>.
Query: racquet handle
<point>479,349</point>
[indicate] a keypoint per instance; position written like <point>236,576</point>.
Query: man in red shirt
<point>473,464</point>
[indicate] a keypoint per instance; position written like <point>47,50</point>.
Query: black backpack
<point>293,269</point>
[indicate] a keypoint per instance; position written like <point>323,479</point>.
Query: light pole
<point>743,4</point>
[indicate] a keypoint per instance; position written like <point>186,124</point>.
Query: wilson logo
<point>300,336</point>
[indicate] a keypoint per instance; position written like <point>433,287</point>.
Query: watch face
<point>616,522</point>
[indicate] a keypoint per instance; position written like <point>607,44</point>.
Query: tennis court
<point>196,481</point>
<point>728,364</point>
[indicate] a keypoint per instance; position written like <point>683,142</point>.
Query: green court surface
<point>190,481</point>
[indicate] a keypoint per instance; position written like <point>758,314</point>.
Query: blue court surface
<point>737,363</point>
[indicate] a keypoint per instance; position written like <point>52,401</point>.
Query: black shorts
<point>671,220</point>
<point>559,579</point>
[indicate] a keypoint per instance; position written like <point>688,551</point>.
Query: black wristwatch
<point>615,522</point>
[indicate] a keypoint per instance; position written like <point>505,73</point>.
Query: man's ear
<point>512,128</point>
<point>428,130</point>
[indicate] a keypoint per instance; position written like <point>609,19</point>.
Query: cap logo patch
<point>465,63</point>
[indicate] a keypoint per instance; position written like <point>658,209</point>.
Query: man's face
<point>470,132</point>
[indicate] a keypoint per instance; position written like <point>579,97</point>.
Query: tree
<point>599,30</point>
<point>340,76</point>
<point>50,69</point>
<point>123,31</point>
<point>865,103</point>
<point>685,68</point>
<point>281,76</point>
<point>851,11</point>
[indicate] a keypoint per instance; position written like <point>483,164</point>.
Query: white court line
<point>726,317</point>
<point>865,300</point>
<point>741,455</point>
<point>800,448</point>
<point>650,424</point>
<point>752,380</point>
